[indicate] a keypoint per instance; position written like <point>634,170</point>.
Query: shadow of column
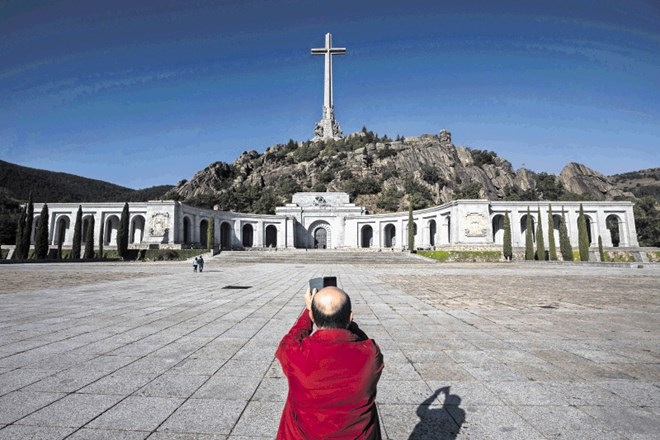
<point>441,423</point>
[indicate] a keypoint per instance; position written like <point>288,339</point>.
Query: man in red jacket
<point>332,373</point>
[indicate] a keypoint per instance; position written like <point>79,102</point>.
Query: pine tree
<point>507,250</point>
<point>27,229</point>
<point>210,233</point>
<point>41,235</point>
<point>101,238</point>
<point>552,247</point>
<point>529,239</point>
<point>583,238</point>
<point>89,240</point>
<point>20,227</point>
<point>601,251</point>
<point>564,240</point>
<point>411,229</point>
<point>77,235</point>
<point>540,245</point>
<point>122,233</point>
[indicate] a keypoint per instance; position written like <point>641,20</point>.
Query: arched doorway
<point>87,220</point>
<point>137,229</point>
<point>556,221</point>
<point>589,224</point>
<point>204,233</point>
<point>390,235</point>
<point>35,223</point>
<point>523,228</point>
<point>320,238</point>
<point>613,226</point>
<point>61,230</point>
<point>366,236</point>
<point>225,235</point>
<point>498,229</point>
<point>248,234</point>
<point>432,232</point>
<point>414,227</point>
<point>186,230</point>
<point>111,229</point>
<point>271,236</point>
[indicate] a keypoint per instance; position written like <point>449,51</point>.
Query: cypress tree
<point>122,233</point>
<point>411,228</point>
<point>529,243</point>
<point>564,240</point>
<point>27,229</point>
<point>600,249</point>
<point>540,245</point>
<point>210,233</point>
<point>89,240</point>
<point>552,247</point>
<point>77,238</point>
<point>41,235</point>
<point>101,238</point>
<point>583,238</point>
<point>20,228</point>
<point>507,250</point>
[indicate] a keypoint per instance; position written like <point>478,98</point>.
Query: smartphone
<point>320,283</point>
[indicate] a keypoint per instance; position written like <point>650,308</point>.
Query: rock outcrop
<point>369,167</point>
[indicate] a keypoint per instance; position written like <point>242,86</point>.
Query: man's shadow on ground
<point>439,423</point>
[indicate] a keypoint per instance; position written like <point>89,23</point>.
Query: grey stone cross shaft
<point>328,51</point>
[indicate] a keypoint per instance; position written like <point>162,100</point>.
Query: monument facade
<point>327,220</point>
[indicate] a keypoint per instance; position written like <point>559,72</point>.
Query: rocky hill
<point>384,175</point>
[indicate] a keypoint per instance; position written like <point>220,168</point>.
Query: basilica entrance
<point>320,239</point>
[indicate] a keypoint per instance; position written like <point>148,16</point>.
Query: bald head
<point>331,308</point>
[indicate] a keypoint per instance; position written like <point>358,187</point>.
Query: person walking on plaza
<point>332,373</point>
<point>200,263</point>
<point>195,262</point>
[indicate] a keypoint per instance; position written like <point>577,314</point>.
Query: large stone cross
<point>328,128</point>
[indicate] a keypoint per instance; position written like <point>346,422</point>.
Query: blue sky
<point>141,93</point>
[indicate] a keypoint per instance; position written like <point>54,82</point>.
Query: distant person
<point>332,373</point>
<point>200,263</point>
<point>195,263</point>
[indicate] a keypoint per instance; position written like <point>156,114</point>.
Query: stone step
<point>319,257</point>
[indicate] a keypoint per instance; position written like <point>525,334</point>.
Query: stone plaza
<point>472,351</point>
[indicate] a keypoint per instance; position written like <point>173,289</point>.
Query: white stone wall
<point>462,222</point>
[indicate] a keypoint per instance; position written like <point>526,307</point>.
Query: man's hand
<point>308,298</point>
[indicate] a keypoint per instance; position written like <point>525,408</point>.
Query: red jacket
<point>332,378</point>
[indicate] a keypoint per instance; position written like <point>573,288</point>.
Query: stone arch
<point>225,235</point>
<point>556,222</point>
<point>86,221</point>
<point>321,234</point>
<point>445,234</point>
<point>186,230</point>
<point>613,223</point>
<point>498,229</point>
<point>523,228</point>
<point>414,224</point>
<point>204,233</point>
<point>35,223</point>
<point>62,226</point>
<point>432,231</point>
<point>248,235</point>
<point>111,229</point>
<point>389,234</point>
<point>271,236</point>
<point>366,236</point>
<point>137,229</point>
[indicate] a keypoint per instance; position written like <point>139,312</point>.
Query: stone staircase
<point>326,256</point>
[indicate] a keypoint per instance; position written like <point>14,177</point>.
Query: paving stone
<point>228,388</point>
<point>137,414</point>
<point>417,422</point>
<point>260,419</point>
<point>121,383</point>
<point>73,411</point>
<point>555,421</point>
<point>172,385</point>
<point>107,434</point>
<point>22,432</point>
<point>16,405</point>
<point>204,416</point>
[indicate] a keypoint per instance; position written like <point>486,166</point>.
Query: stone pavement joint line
<point>472,351</point>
